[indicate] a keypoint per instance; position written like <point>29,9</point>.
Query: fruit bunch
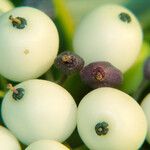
<point>48,93</point>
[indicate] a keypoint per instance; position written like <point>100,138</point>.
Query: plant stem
<point>137,95</point>
<point>49,76</point>
<point>62,79</point>
<point>2,93</point>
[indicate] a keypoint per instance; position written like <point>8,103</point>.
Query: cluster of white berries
<point>42,114</point>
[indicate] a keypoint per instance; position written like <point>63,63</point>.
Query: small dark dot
<point>101,128</point>
<point>125,17</point>
<point>26,51</point>
<point>18,22</point>
<point>19,95</point>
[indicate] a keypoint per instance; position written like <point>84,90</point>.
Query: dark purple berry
<point>101,74</point>
<point>146,69</point>
<point>69,62</point>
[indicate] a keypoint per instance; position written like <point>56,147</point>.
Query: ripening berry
<point>69,62</point>
<point>101,74</point>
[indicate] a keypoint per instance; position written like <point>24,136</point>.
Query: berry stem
<point>10,87</point>
<point>137,95</point>
<point>2,93</point>
<point>15,20</point>
<point>18,22</point>
<point>62,79</point>
<point>49,76</point>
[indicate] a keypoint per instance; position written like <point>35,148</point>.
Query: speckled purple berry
<point>69,62</point>
<point>101,74</point>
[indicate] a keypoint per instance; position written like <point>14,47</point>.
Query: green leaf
<point>76,87</point>
<point>83,147</point>
<point>65,20</point>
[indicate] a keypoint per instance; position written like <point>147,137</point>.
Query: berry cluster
<point>42,114</point>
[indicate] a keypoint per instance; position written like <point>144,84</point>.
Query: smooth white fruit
<point>146,108</point>
<point>46,145</point>
<point>46,111</point>
<point>103,36</point>
<point>78,9</point>
<point>29,52</point>
<point>5,5</point>
<point>126,121</point>
<point>7,140</point>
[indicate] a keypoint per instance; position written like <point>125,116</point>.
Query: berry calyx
<point>17,93</point>
<point>125,17</point>
<point>99,74</point>
<point>18,22</point>
<point>67,59</point>
<point>101,128</point>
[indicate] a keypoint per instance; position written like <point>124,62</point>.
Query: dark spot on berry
<point>125,17</point>
<point>26,51</point>
<point>19,95</point>
<point>18,22</point>
<point>101,128</point>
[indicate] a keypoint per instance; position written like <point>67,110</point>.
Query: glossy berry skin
<point>46,111</point>
<point>27,50</point>
<point>69,62</point>
<point>109,119</point>
<point>7,140</point>
<point>145,106</point>
<point>101,74</point>
<point>109,33</point>
<point>46,145</point>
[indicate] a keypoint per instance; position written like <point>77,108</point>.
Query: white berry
<point>7,140</point>
<point>45,111</point>
<point>5,5</point>
<point>110,119</point>
<point>109,33</point>
<point>46,145</point>
<point>29,52</point>
<point>146,108</point>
